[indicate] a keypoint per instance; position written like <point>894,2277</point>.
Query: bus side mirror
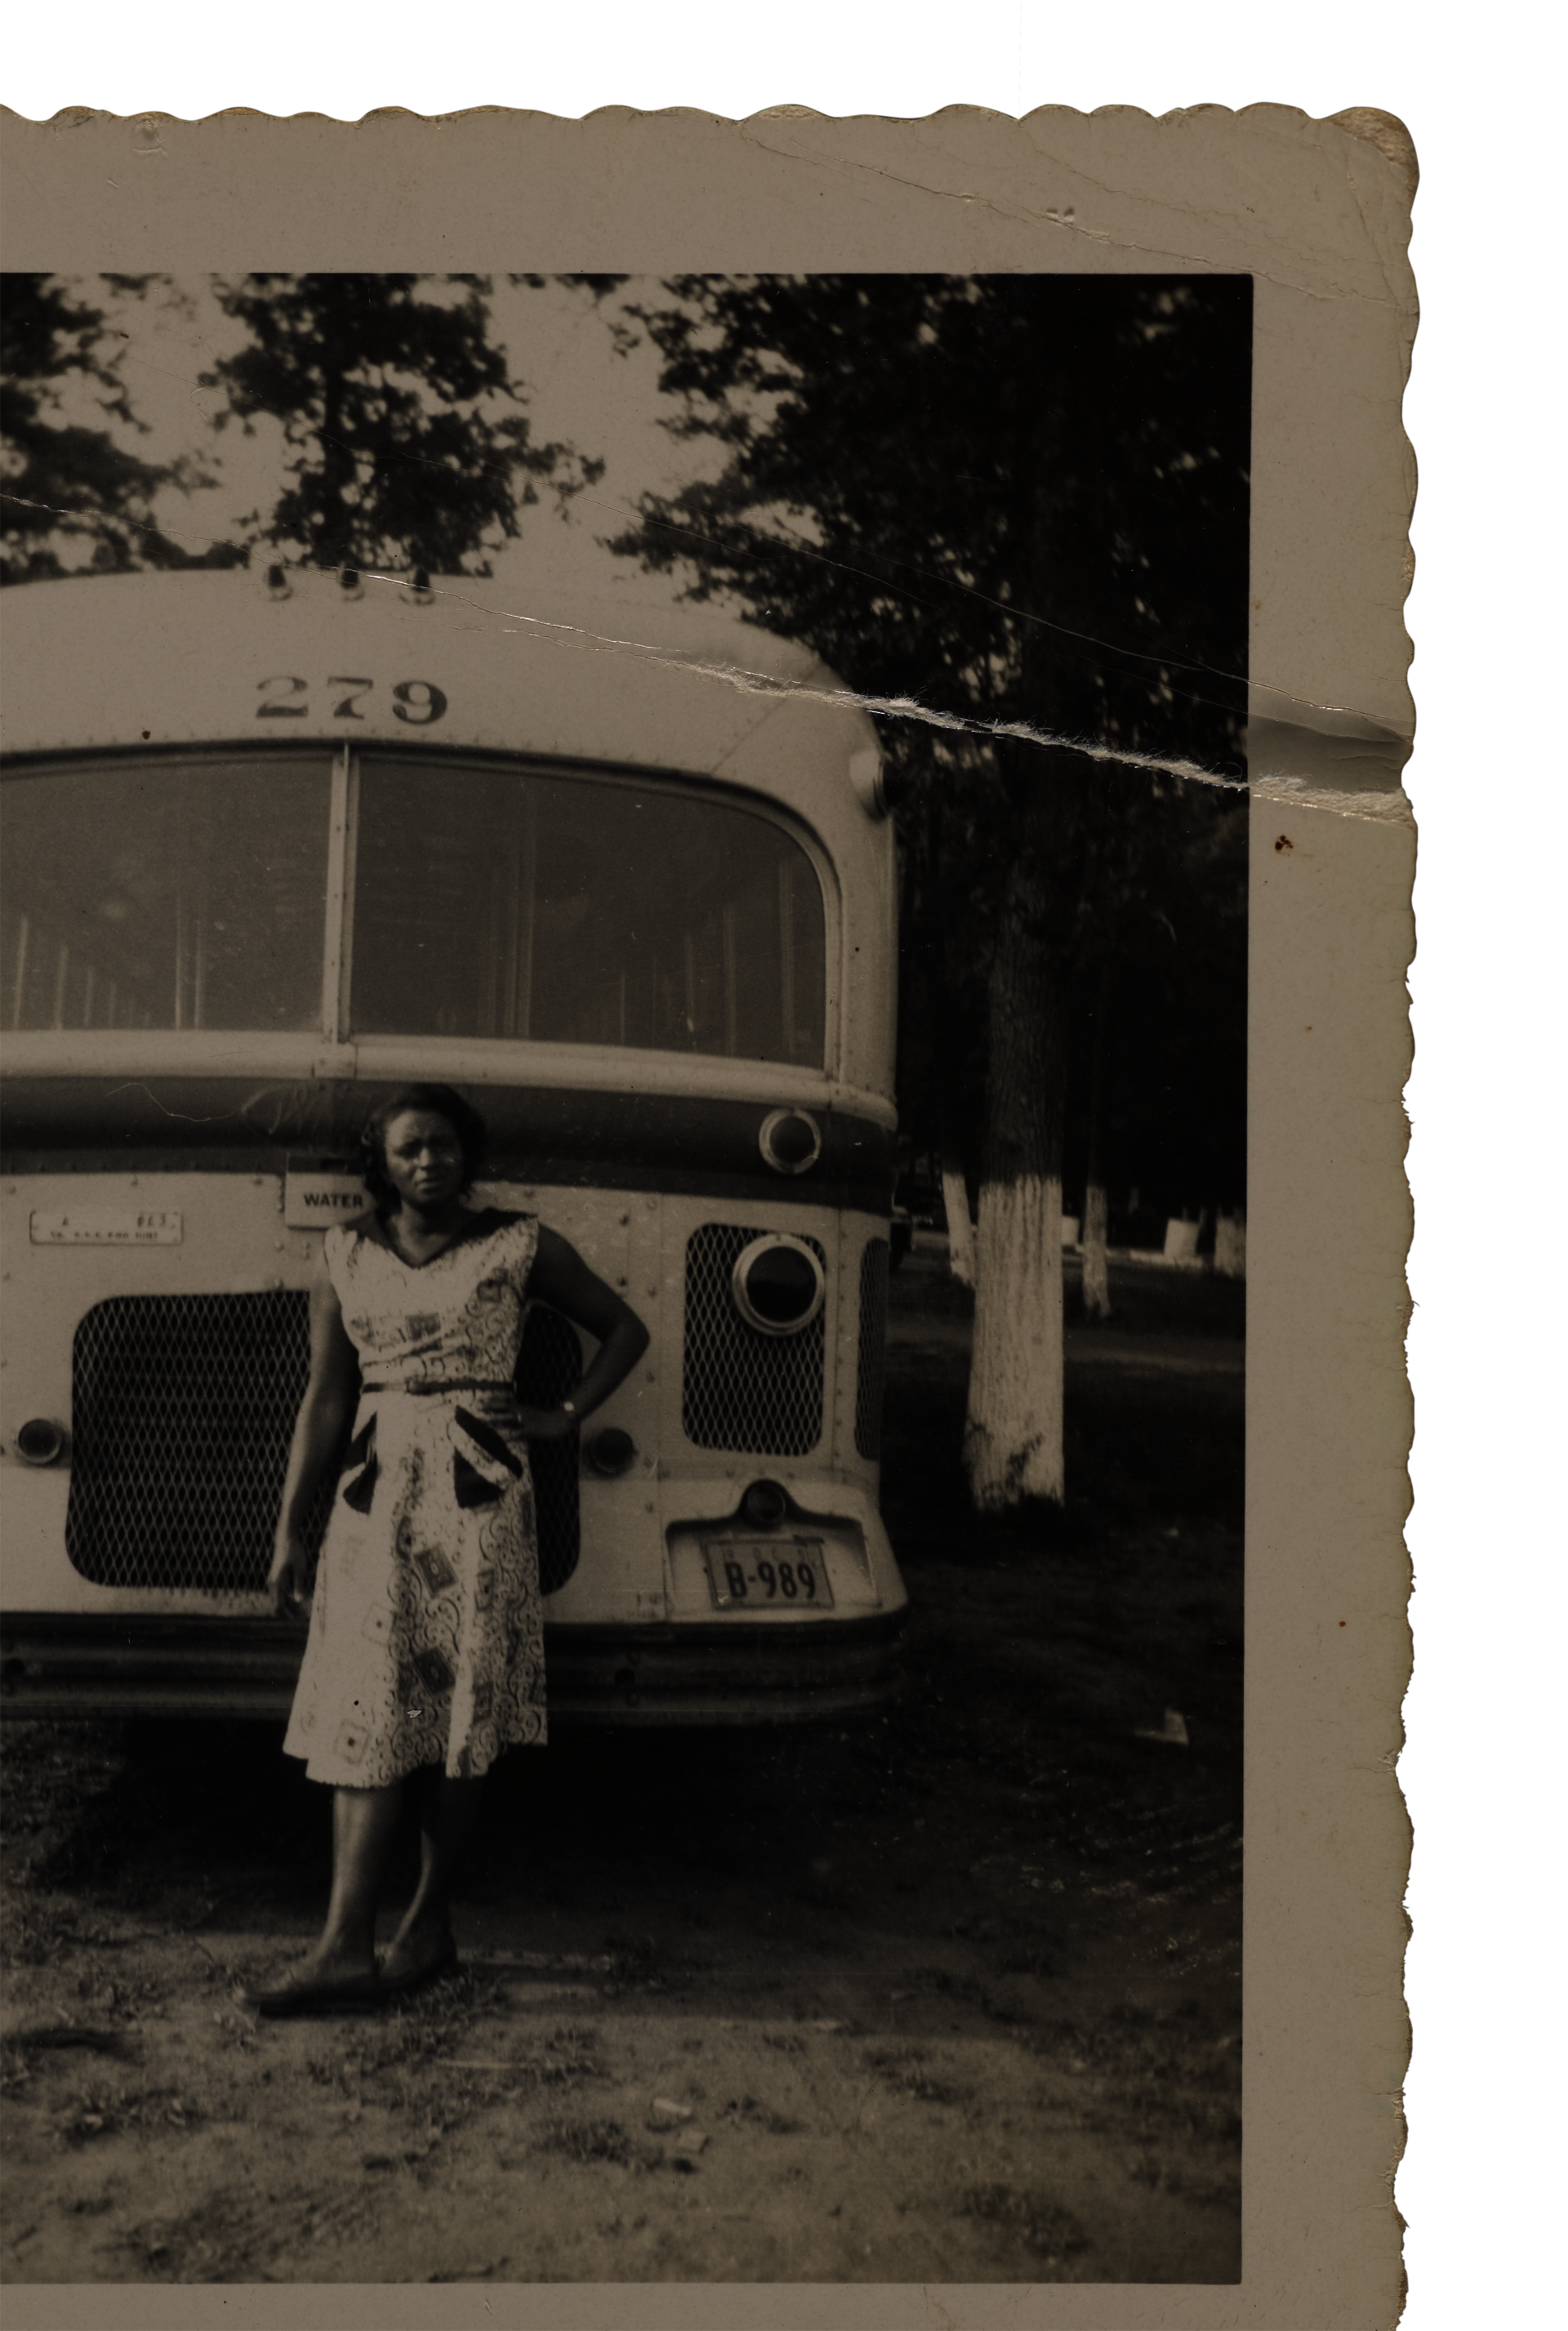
<point>877,789</point>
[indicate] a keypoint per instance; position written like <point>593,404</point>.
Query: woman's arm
<point>320,1429</point>
<point>561,1279</point>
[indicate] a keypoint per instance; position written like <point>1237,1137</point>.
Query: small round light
<point>778,1284</point>
<point>765,1505</point>
<point>609,1451</point>
<point>40,1442</point>
<point>790,1140</point>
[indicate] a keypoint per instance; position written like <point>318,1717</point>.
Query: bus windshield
<point>165,894</point>
<point>582,910</point>
<point>487,901</point>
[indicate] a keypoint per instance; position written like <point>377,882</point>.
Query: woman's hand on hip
<point>289,1576</point>
<point>548,1423</point>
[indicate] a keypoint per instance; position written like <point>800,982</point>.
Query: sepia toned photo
<point>678,1275</point>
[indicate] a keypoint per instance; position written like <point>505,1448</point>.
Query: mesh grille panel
<point>873,1358</point>
<point>549,1369</point>
<point>740,1389</point>
<point>183,1408</point>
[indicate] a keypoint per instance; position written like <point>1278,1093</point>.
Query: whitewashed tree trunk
<point>1013,1442</point>
<point>1181,1239</point>
<point>1013,1435</point>
<point>1230,1246</point>
<point>960,1230</point>
<point>1097,1285</point>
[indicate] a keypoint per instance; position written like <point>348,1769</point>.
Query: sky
<point>581,391</point>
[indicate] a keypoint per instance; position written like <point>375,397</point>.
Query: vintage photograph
<point>702,1425</point>
<point>603,1098</point>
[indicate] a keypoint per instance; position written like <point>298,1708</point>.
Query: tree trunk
<point>1097,1284</point>
<point>943,1017</point>
<point>960,1229</point>
<point>1231,1246</point>
<point>1097,1291</point>
<point>1013,1434</point>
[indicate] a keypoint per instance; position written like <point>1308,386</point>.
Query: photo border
<point>1318,212</point>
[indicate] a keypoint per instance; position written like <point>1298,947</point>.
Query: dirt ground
<point>949,1996</point>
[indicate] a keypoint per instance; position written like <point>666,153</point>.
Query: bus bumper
<point>730,1671</point>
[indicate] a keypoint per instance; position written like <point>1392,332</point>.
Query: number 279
<point>286,696</point>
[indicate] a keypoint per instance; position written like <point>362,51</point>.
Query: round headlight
<point>778,1284</point>
<point>790,1140</point>
<point>609,1451</point>
<point>40,1442</point>
<point>765,1505</point>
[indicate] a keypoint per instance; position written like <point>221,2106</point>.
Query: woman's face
<point>424,1161</point>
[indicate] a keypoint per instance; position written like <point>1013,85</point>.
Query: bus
<point>279,841</point>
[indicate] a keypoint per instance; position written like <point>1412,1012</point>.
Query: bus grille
<point>741,1389</point>
<point>873,1367</point>
<point>183,1408</point>
<point>549,1369</point>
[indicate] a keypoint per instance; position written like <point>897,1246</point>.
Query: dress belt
<point>464,1383</point>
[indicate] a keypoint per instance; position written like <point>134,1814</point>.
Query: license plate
<point>106,1226</point>
<point>767,1573</point>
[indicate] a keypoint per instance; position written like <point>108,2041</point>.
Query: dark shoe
<point>445,1961</point>
<point>352,1994</point>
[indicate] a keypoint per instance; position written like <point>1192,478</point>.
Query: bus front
<point>276,845</point>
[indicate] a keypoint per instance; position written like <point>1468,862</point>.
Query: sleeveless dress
<point>426,1642</point>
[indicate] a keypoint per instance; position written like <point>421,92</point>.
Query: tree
<point>77,498</point>
<point>940,1068</point>
<point>1156,1076</point>
<point>406,441</point>
<point>1022,501</point>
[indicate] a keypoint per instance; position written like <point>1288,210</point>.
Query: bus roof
<point>216,656</point>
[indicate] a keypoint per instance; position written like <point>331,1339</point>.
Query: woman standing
<point>426,1656</point>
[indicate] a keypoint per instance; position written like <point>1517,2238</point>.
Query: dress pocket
<point>483,1468</point>
<point>360,1468</point>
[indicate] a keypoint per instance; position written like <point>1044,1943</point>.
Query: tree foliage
<point>1013,499</point>
<point>406,441</point>
<point>77,498</point>
<point>922,471</point>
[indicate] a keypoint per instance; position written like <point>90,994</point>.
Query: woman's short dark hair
<point>436,1100</point>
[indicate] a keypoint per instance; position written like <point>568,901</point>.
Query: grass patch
<point>228,2236</point>
<point>417,2063</point>
<point>1047,2229</point>
<point>1137,2045</point>
<point>102,2110</point>
<point>426,2026</point>
<point>907,2072</point>
<point>765,2116</point>
<point>1164,2080</point>
<point>585,2141</point>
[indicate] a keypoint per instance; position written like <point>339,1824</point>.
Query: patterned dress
<point>426,1642</point>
